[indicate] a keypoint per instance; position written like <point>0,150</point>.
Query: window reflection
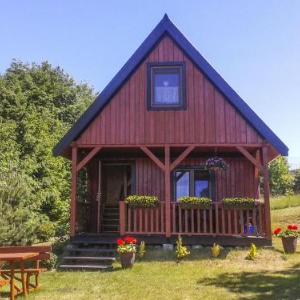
<point>182,184</point>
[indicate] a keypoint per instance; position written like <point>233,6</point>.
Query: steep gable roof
<point>165,26</point>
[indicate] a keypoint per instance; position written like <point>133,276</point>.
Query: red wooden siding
<point>209,118</point>
<point>238,180</point>
<point>149,179</point>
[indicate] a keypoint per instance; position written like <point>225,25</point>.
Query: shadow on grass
<point>283,284</point>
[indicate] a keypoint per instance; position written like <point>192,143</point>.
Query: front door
<point>116,185</point>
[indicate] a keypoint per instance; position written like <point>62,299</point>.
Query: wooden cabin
<point>150,132</point>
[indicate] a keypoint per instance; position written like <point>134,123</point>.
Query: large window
<point>193,182</point>
<point>166,86</point>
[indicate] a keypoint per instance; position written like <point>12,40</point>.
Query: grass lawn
<point>285,201</point>
<point>272,275</point>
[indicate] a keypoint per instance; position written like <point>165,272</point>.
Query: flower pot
<point>127,259</point>
<point>289,244</point>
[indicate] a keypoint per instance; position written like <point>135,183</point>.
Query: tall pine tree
<point>38,104</point>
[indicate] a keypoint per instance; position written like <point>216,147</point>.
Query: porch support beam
<point>256,175</point>
<point>167,170</point>
<point>265,155</point>
<point>88,157</point>
<point>181,157</point>
<point>73,191</point>
<point>153,157</point>
<point>249,156</point>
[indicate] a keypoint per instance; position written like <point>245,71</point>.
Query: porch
<point>168,219</point>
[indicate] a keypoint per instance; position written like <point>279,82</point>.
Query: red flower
<point>277,231</point>
<point>129,240</point>
<point>293,227</point>
<point>120,242</point>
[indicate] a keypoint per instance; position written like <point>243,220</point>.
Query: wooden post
<point>267,213</point>
<point>73,191</point>
<point>122,217</point>
<point>167,192</point>
<point>256,176</point>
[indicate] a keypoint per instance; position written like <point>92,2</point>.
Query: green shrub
<point>252,252</point>
<point>297,182</point>
<point>140,201</point>
<point>142,250</point>
<point>50,263</point>
<point>195,202</point>
<point>181,251</point>
<point>240,203</point>
<point>45,231</point>
<point>59,244</point>
<point>20,221</point>
<point>281,180</point>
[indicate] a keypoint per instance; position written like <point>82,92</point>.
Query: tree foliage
<point>20,222</point>
<point>297,182</point>
<point>38,104</point>
<point>281,180</point>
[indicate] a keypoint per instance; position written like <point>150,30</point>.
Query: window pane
<point>182,179</point>
<point>201,183</point>
<point>166,88</point>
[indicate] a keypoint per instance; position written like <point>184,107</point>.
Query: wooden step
<point>94,258</point>
<point>111,215</point>
<point>94,242</point>
<point>87,267</point>
<point>109,221</point>
<point>112,229</point>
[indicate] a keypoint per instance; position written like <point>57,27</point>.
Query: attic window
<point>166,86</point>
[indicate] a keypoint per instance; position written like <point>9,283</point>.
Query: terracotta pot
<point>289,244</point>
<point>127,259</point>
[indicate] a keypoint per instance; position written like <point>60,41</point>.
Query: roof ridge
<point>166,26</point>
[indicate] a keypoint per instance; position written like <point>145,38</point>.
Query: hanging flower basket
<point>216,163</point>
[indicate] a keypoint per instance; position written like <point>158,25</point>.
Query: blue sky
<point>254,45</point>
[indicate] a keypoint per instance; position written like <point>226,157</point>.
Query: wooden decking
<point>108,242</point>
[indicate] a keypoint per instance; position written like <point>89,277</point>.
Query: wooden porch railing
<point>142,221</point>
<point>216,221</point>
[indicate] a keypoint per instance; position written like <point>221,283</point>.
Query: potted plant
<point>127,250</point>
<point>142,201</point>
<point>195,202</point>
<point>288,237</point>
<point>239,203</point>
<point>216,163</point>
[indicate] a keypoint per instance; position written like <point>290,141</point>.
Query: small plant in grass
<point>288,237</point>
<point>252,252</point>
<point>195,202</point>
<point>142,250</point>
<point>181,251</point>
<point>239,203</point>
<point>142,201</point>
<point>215,250</point>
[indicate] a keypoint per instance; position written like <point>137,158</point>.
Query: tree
<point>38,104</point>
<point>20,222</point>
<point>281,180</point>
<point>297,182</point>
